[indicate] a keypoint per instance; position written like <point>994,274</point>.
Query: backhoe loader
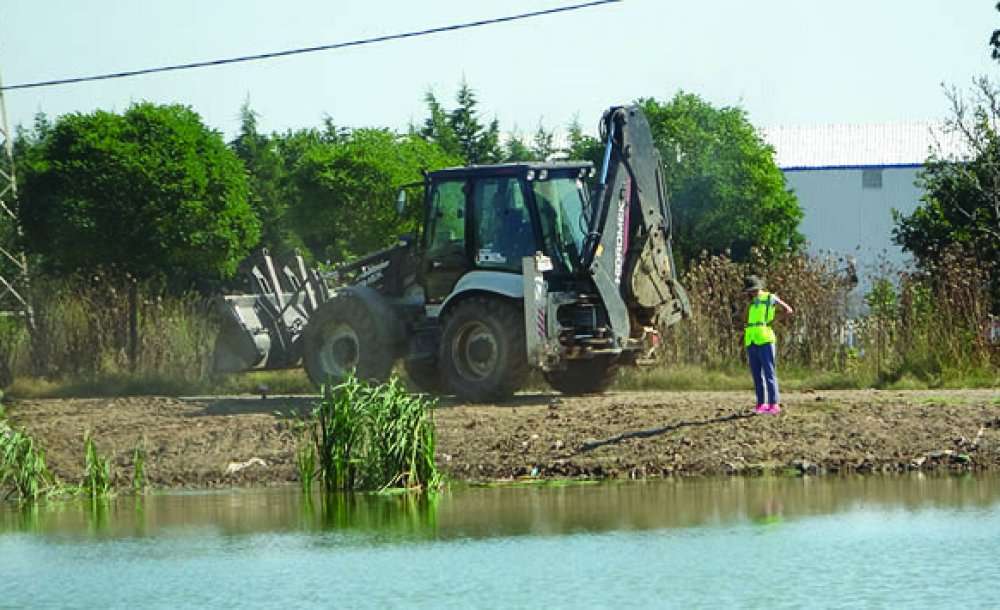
<point>517,266</point>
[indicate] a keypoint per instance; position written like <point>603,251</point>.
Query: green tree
<point>515,149</point>
<point>726,192</point>
<point>346,190</point>
<point>961,202</point>
<point>543,143</point>
<point>582,147</point>
<point>148,193</point>
<point>437,127</point>
<point>479,143</point>
<point>265,169</point>
<point>459,131</point>
<point>542,146</point>
<point>995,41</point>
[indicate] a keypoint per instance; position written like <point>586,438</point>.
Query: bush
<point>929,326</point>
<point>713,336</point>
<point>371,437</point>
<point>23,472</point>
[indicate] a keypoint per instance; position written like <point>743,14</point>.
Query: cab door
<point>502,230</point>
<point>446,254</point>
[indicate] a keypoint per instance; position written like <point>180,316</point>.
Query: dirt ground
<point>223,442</point>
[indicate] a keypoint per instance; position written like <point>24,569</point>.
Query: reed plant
<point>402,514</point>
<point>97,479</point>
<point>374,437</point>
<point>139,467</point>
<point>23,472</point>
<point>305,463</point>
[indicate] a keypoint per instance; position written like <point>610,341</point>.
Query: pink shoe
<point>773,409</point>
<point>762,409</point>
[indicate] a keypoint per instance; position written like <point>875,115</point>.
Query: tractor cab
<point>488,218</point>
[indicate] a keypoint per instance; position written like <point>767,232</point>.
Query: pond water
<point>912,541</point>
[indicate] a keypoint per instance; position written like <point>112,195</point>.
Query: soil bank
<point>212,442</point>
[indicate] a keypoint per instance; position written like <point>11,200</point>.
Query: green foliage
<point>148,193</point>
<point>437,127</point>
<point>13,339</point>
<point>926,328</point>
<point>515,149</point>
<point>305,464</point>
<point>372,437</point>
<point>346,190</point>
<point>139,467</point>
<point>582,146</point>
<point>726,193</point>
<point>541,147</point>
<point>960,203</point>
<point>96,471</point>
<point>995,41</point>
<point>459,132</point>
<point>881,298</point>
<point>81,328</point>
<point>23,472</point>
<point>268,176</point>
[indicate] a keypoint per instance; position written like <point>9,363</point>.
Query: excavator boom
<point>630,255</point>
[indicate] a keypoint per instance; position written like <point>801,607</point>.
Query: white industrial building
<point>849,178</point>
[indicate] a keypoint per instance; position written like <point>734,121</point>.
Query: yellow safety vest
<point>758,329</point>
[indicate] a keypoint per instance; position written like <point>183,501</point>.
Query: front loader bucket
<point>242,343</point>
<point>263,329</point>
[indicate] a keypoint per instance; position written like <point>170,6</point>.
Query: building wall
<point>847,213</point>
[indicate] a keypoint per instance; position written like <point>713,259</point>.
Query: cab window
<point>446,223</point>
<point>502,224</point>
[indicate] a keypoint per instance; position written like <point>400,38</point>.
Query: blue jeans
<point>765,376</point>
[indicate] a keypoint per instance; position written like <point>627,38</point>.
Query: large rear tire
<point>354,331</point>
<point>581,377</point>
<point>483,356</point>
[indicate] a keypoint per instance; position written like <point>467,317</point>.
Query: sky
<point>786,62</point>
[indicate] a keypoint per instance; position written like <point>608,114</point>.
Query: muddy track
<point>212,442</point>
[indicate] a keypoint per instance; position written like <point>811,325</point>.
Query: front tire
<point>351,332</point>
<point>580,377</point>
<point>483,355</point>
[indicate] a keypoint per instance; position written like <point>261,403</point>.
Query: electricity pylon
<point>13,263</point>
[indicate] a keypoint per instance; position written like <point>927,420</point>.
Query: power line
<point>326,47</point>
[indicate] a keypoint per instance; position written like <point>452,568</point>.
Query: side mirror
<point>400,202</point>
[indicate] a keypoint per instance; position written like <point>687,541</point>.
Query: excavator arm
<point>629,253</point>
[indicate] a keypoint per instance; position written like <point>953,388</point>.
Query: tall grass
<point>373,437</point>
<point>305,464</point>
<point>928,326</point>
<point>139,467</point>
<point>81,335</point>
<point>13,339</point>
<point>97,481</point>
<point>23,472</point>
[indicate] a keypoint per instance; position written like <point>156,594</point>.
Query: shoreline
<point>231,442</point>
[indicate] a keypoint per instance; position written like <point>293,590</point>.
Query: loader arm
<point>629,251</point>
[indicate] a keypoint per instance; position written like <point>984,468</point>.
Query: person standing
<point>759,340</point>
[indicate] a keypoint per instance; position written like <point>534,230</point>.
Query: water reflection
<point>489,512</point>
